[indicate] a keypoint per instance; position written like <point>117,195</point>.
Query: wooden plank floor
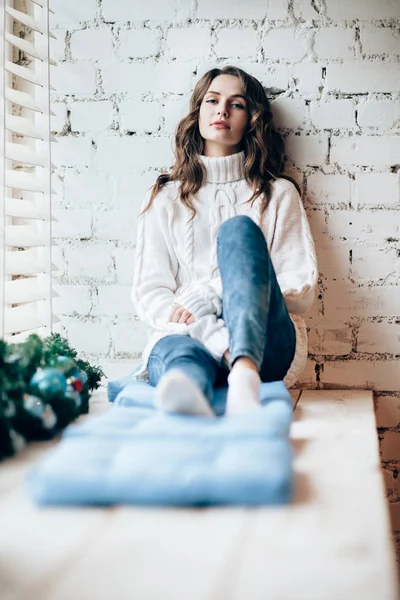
<point>332,543</point>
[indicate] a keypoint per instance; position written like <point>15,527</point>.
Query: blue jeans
<point>254,312</point>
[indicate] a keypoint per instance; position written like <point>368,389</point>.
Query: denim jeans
<point>254,312</point>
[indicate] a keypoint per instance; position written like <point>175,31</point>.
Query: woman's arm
<point>293,252</point>
<point>154,284</point>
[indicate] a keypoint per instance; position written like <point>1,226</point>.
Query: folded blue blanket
<point>137,454</point>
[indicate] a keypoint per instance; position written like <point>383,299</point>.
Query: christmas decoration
<point>43,387</point>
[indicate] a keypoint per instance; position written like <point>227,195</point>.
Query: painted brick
<point>115,224</point>
<point>286,44</point>
<point>362,374</point>
<point>316,219</point>
<point>364,225</point>
<point>57,46</point>
<point>124,260</point>
<point>390,482</point>
<point>364,9</point>
<point>307,379</point>
<point>379,337</point>
<point>72,299</point>
<point>374,263</point>
<point>133,153</point>
<point>390,446</point>
<point>289,112</point>
<point>366,150</point>
<point>139,79</point>
<point>87,336</point>
<point>380,40</point>
<point>361,76</point>
<point>328,189</point>
<point>333,260</point>
<point>346,299</point>
<point>71,151</point>
<point>225,9</point>
<point>330,337</point>
<point>333,114</point>
<point>86,188</point>
<point>381,189</point>
<point>307,77</point>
<point>304,10</point>
<point>92,261</point>
<point>131,187</point>
<point>135,10</point>
<point>91,116</point>
<point>277,10</point>
<point>174,110</point>
<point>72,223</point>
<point>117,367</point>
<point>113,300</point>
<point>73,79</point>
<point>382,113</point>
<point>139,116</point>
<point>236,42</point>
<point>307,150</point>
<point>138,43</point>
<point>394,508</point>
<point>57,258</point>
<point>335,42</point>
<point>188,42</point>
<point>59,119</point>
<point>92,44</point>
<point>388,411</point>
<point>270,76</point>
<point>71,13</point>
<point>128,336</point>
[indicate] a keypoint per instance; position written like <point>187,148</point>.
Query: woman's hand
<point>179,314</point>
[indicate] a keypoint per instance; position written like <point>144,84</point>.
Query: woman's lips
<point>220,126</point>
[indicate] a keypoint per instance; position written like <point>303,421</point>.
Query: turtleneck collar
<point>221,169</point>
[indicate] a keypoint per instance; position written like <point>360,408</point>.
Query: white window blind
<point>25,180</point>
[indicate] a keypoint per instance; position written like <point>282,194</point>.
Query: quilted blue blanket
<point>137,454</point>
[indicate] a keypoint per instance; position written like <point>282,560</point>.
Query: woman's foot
<point>176,392</point>
<point>243,391</point>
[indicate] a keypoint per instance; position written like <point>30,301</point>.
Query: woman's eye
<point>234,104</point>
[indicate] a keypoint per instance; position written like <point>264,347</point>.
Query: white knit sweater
<point>176,259</point>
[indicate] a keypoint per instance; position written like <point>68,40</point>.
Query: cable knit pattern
<point>176,259</point>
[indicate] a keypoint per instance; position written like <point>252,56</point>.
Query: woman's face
<point>224,102</point>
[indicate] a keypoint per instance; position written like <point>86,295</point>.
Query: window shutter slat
<point>25,209</point>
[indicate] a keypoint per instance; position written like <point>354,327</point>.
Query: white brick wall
<point>123,80</point>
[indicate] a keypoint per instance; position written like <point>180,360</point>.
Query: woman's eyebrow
<point>233,95</point>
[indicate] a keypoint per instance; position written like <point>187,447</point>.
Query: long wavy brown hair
<point>263,145</point>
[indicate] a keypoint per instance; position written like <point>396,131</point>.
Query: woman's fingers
<point>185,316</point>
<point>179,314</point>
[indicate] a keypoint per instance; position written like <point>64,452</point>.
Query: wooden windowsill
<point>333,542</point>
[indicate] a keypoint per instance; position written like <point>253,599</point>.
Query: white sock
<point>176,392</point>
<point>243,391</point>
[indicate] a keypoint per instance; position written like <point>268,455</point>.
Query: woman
<point>225,263</point>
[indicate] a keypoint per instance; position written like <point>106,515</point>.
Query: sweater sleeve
<point>154,283</point>
<point>293,253</point>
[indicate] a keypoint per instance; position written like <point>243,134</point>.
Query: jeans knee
<point>175,347</point>
<point>236,225</point>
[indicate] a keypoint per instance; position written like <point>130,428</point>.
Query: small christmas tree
<point>43,387</point>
